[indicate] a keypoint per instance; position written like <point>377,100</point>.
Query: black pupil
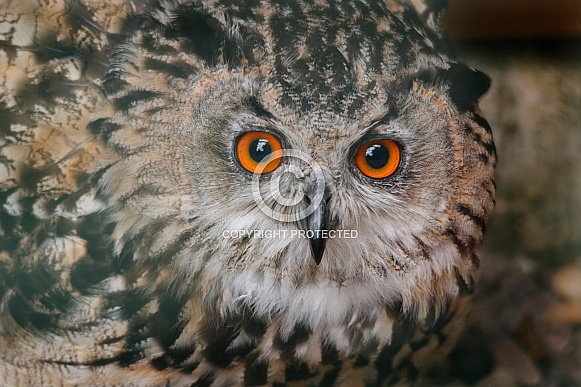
<point>259,149</point>
<point>377,156</point>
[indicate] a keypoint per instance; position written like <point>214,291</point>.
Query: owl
<point>224,193</point>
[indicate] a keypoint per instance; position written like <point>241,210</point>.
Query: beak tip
<point>317,249</point>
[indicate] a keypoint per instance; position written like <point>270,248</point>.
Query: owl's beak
<point>315,224</point>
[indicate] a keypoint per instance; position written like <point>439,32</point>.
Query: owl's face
<point>376,131</point>
<point>393,221</point>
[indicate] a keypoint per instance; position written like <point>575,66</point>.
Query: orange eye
<point>255,147</point>
<point>378,159</point>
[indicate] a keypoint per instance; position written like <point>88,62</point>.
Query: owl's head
<point>296,157</point>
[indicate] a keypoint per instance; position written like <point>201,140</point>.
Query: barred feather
<point>117,181</point>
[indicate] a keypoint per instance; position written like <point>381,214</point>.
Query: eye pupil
<point>377,156</point>
<point>256,148</point>
<point>378,159</point>
<point>259,149</point>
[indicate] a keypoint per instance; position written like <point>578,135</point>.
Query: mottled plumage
<point>118,179</point>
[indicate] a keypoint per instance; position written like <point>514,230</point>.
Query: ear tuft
<point>466,85</point>
<point>434,14</point>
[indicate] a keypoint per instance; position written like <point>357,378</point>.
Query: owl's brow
<point>259,110</point>
<point>374,123</point>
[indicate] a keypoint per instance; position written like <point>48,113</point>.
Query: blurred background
<point>532,51</point>
<point>525,326</point>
